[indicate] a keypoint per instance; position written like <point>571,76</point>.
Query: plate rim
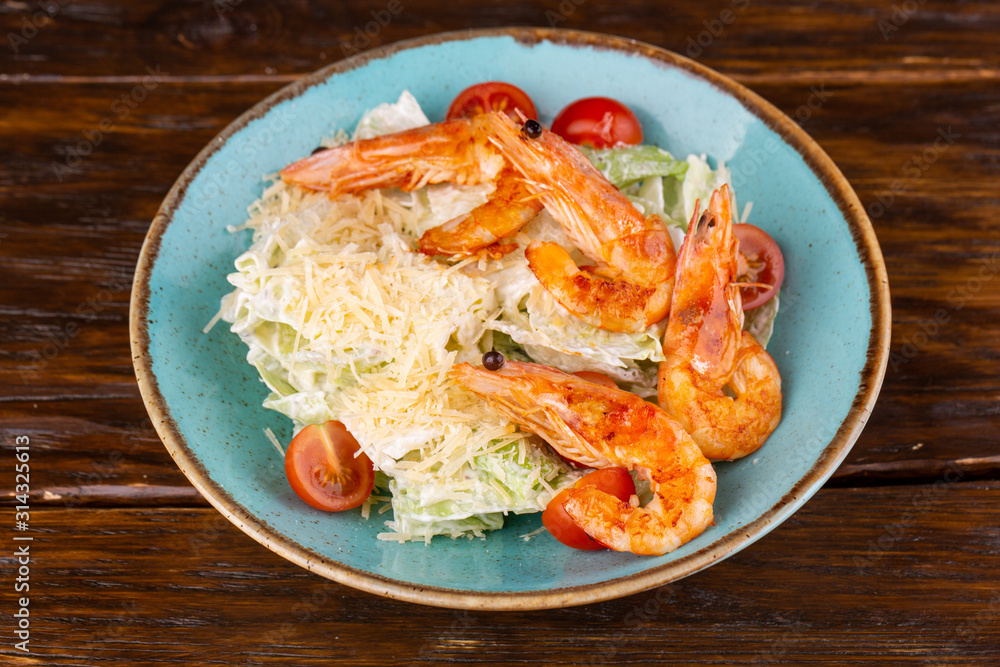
<point>822,166</point>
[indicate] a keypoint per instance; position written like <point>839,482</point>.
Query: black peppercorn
<point>532,129</point>
<point>493,361</point>
<point>318,149</point>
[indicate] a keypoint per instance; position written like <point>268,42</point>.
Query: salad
<point>354,331</point>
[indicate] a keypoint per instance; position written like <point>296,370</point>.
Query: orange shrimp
<point>455,151</point>
<point>630,286</point>
<point>628,289</point>
<point>717,380</point>
<point>600,426</point>
<point>509,208</point>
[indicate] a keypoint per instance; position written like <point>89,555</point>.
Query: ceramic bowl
<point>830,341</point>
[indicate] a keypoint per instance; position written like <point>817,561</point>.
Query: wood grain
<point>184,586</point>
<point>95,453</point>
<point>67,337</point>
<point>763,40</point>
<point>898,565</point>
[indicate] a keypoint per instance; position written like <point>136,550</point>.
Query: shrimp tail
<point>653,530</point>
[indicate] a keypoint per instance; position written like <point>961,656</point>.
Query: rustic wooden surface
<point>896,560</point>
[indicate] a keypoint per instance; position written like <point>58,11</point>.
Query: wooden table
<point>896,559</point>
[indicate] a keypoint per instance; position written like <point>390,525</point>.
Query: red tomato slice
<point>323,470</point>
<point>492,96</point>
<point>615,481</point>
<point>598,378</point>
<point>760,261</point>
<point>598,122</point>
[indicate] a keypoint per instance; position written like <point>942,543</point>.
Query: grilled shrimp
<point>455,151</point>
<point>599,426</point>
<point>509,208</point>
<point>629,288</point>
<point>717,380</point>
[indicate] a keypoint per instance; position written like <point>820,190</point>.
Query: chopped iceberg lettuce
<point>650,197</point>
<point>404,114</point>
<point>506,346</point>
<point>658,183</point>
<point>760,320</point>
<point>437,487</point>
<point>625,165</point>
<point>699,183</point>
<point>512,477</point>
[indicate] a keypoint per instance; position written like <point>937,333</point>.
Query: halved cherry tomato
<point>323,470</point>
<point>615,481</point>
<point>598,122</point>
<point>491,96</point>
<point>598,378</point>
<point>759,261</point>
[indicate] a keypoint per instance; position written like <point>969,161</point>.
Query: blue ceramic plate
<point>830,342</point>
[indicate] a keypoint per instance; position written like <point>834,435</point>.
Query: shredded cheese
<point>346,321</point>
<point>274,441</point>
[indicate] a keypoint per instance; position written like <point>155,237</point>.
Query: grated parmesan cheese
<point>344,320</point>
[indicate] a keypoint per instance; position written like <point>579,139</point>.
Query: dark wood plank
<point>130,567</point>
<point>94,453</point>
<point>899,574</point>
<point>66,277</point>
<point>822,40</point>
<point>861,575</point>
<point>935,208</point>
<point>66,303</point>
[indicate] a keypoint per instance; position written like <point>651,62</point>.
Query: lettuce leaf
<point>699,183</point>
<point>507,479</point>
<point>387,118</point>
<point>760,320</point>
<point>625,165</point>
